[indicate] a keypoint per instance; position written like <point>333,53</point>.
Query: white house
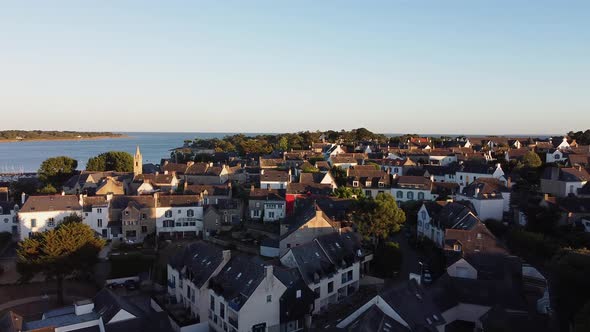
<point>245,296</point>
<point>189,272</point>
<point>412,188</point>
<point>563,182</point>
<point>266,205</point>
<point>96,213</point>
<point>468,173</point>
<point>556,156</point>
<point>178,215</point>
<point>107,311</point>
<point>405,307</point>
<point>8,218</point>
<point>490,198</point>
<point>330,265</point>
<point>273,179</point>
<point>434,218</point>
<point>40,213</point>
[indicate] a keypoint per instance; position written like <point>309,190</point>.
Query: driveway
<point>410,257</point>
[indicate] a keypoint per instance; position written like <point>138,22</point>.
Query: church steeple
<point>137,162</point>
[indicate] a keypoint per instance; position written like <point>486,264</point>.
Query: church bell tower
<point>137,162</point>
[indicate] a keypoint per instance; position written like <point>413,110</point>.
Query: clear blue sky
<point>472,66</point>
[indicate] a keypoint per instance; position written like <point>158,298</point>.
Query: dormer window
<point>355,183</point>
<point>479,236</point>
<point>381,184</point>
<point>368,184</point>
<point>457,247</point>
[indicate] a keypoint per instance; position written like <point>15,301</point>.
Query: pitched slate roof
<point>415,182</point>
<point>448,292</point>
<point>415,306</point>
<point>107,304</point>
<point>121,202</point>
<point>94,201</point>
<point>178,200</point>
<point>266,194</point>
<point>342,249</point>
<point>566,174</point>
<point>157,179</point>
<point>476,168</point>
<point>311,177</point>
<point>174,167</point>
<point>313,263</point>
<point>375,320</point>
<point>456,215</point>
<point>268,175</point>
<point>309,189</point>
<point>238,279</point>
<point>200,259</point>
<point>51,203</point>
<point>485,188</point>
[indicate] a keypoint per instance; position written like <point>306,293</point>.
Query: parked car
<point>130,284</point>
<point>426,277</point>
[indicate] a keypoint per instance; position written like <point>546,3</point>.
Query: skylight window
<point>239,275</point>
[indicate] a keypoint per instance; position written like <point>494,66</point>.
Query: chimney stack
<point>23,198</point>
<point>226,254</point>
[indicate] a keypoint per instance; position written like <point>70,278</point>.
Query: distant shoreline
<point>63,139</point>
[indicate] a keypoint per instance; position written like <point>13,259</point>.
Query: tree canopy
<point>581,137</point>
<point>117,161</point>
<point>532,160</point>
<point>56,170</point>
<point>60,252</point>
<point>378,218</point>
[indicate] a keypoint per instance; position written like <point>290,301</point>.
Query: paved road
<point>411,257</point>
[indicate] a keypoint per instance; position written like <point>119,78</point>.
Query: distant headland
<point>43,135</point>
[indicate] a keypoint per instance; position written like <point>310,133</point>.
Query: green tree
<point>283,144</point>
<point>339,175</point>
<point>117,161</point>
<point>378,218</point>
<point>309,169</point>
<point>531,160</point>
<point>47,190</point>
<point>571,272</point>
<point>347,192</point>
<point>55,171</point>
<point>60,252</point>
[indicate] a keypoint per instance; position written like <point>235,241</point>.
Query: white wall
<point>462,269</point>
<point>428,196</point>
<point>7,220</point>
<point>181,218</point>
<point>91,218</point>
<point>41,217</point>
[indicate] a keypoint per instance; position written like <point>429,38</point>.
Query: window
<point>99,222</point>
<point>410,195</point>
<point>355,183</point>
<point>256,213</point>
<point>168,223</point>
<point>399,194</point>
<point>143,216</point>
<point>168,214</point>
<point>344,280</point>
<point>99,210</point>
<point>33,222</point>
<point>144,229</point>
<point>381,184</point>
<point>349,277</point>
<point>51,222</point>
<point>298,294</point>
<point>271,215</point>
<point>420,196</point>
<point>212,303</point>
<point>423,215</point>
<point>179,211</point>
<point>6,220</point>
<point>190,213</point>
<point>268,298</point>
<point>395,170</point>
<point>221,310</point>
<point>330,287</point>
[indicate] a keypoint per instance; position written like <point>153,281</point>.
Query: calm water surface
<point>27,156</point>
